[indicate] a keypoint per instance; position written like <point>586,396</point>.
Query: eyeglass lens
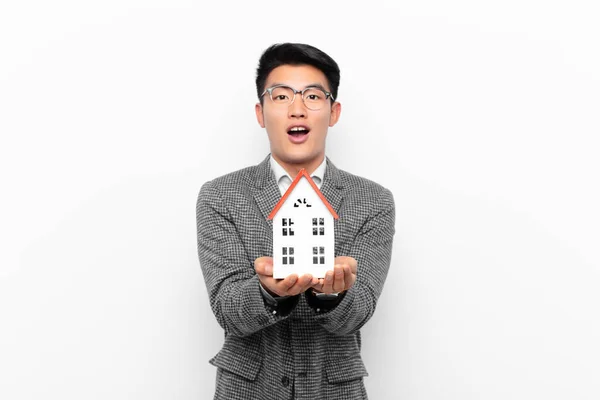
<point>314,98</point>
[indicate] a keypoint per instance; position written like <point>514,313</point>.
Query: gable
<point>301,193</point>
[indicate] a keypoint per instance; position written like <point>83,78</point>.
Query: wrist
<point>267,290</point>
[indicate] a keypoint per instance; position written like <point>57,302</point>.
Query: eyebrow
<point>310,85</point>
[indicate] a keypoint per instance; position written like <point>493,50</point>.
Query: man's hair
<point>296,54</point>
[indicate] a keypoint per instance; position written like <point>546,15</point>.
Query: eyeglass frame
<point>328,95</point>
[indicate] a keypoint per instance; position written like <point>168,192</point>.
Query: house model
<point>303,236</point>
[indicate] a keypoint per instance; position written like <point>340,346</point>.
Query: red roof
<point>301,174</point>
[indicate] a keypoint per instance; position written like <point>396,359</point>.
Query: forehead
<point>297,76</point>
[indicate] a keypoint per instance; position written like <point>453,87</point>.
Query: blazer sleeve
<point>233,287</point>
<point>372,249</point>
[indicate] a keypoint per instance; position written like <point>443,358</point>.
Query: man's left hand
<point>340,279</point>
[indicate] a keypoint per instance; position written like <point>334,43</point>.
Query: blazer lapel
<point>332,187</point>
<point>333,190</point>
<point>266,192</point>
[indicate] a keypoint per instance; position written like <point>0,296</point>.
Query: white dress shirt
<point>284,180</point>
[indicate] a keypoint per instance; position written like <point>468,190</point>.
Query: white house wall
<point>303,240</point>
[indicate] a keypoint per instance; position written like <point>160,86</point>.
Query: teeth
<point>297,129</point>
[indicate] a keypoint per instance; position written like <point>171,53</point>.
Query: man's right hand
<point>292,285</point>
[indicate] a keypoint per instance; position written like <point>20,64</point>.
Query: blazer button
<point>285,381</point>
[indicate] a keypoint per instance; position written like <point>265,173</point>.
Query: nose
<point>297,109</point>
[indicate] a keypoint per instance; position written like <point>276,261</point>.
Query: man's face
<point>295,149</point>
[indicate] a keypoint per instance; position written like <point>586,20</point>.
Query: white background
<point>481,117</point>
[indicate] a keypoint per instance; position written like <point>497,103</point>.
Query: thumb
<point>264,266</point>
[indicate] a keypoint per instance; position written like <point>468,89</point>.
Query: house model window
<point>287,226</point>
<point>319,255</point>
<point>288,255</point>
<point>318,227</point>
<point>303,230</point>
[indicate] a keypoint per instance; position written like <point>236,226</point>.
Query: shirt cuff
<point>270,299</point>
<point>322,305</point>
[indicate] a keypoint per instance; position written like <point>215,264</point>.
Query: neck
<point>293,168</point>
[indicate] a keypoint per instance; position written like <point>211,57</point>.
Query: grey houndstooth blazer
<point>275,353</point>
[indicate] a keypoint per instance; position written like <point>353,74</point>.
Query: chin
<point>301,158</point>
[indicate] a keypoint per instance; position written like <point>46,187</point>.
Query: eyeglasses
<point>314,98</point>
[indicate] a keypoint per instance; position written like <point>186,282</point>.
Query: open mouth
<point>298,131</point>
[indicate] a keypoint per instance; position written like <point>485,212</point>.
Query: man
<point>298,337</point>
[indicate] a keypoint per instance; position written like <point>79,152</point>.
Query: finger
<point>301,285</point>
<point>264,266</point>
<point>338,280</point>
<point>349,277</point>
<point>285,284</point>
<point>310,280</point>
<point>342,260</point>
<point>347,260</point>
<point>353,265</point>
<point>319,285</point>
<point>328,283</point>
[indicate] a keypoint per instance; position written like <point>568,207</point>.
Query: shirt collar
<point>319,173</point>
<point>280,173</point>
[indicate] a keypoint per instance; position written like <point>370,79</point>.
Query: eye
<point>313,95</point>
<point>281,94</point>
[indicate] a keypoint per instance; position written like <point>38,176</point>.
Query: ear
<point>334,116</point>
<point>259,115</point>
